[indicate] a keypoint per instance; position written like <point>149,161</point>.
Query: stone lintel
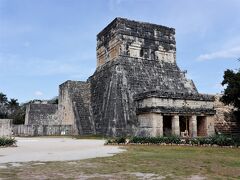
<point>173,95</point>
<point>179,111</point>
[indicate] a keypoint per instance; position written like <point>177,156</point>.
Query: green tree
<point>18,115</point>
<point>231,96</point>
<point>13,103</point>
<point>3,98</point>
<point>16,112</point>
<point>3,105</point>
<point>11,109</point>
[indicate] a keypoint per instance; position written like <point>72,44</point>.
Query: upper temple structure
<point>137,88</point>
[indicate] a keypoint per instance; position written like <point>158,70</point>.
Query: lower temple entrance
<point>188,125</point>
<point>184,126</point>
<point>167,125</point>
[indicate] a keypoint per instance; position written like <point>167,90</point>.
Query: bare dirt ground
<point>55,149</point>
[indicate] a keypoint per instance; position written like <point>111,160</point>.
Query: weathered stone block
<point>5,127</point>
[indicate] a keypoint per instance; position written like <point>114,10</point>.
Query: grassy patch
<point>89,136</point>
<point>139,162</point>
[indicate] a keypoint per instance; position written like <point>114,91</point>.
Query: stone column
<point>175,125</point>
<point>157,125</point>
<point>193,126</point>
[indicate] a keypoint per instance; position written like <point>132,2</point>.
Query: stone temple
<point>137,89</point>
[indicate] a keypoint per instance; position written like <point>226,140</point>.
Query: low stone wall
<point>41,130</point>
<point>42,114</point>
<point>5,128</point>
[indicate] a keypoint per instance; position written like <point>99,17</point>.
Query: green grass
<point>138,162</point>
<point>89,136</point>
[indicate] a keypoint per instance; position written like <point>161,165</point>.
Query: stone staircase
<point>81,111</point>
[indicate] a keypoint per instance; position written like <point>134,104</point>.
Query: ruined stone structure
<point>225,120</point>
<point>137,88</point>
<point>74,106</point>
<point>42,130</point>
<point>5,127</point>
<point>42,118</point>
<point>42,114</point>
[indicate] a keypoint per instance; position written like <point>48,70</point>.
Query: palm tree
<point>13,103</point>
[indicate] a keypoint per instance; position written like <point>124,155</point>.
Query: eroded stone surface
<point>137,88</point>
<point>144,63</point>
<point>5,127</point>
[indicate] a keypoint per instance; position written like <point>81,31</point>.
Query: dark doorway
<point>184,125</point>
<point>167,125</point>
<point>201,126</point>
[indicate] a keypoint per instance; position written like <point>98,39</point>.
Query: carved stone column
<point>158,124</point>
<point>175,125</point>
<point>193,126</point>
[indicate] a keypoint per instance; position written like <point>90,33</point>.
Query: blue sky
<point>46,42</point>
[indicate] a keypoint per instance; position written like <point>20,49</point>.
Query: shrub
<point>203,140</point>
<point>7,141</point>
<point>120,140</point>
<point>236,140</point>
<point>173,139</point>
<point>156,140</point>
<point>193,141</point>
<point>221,140</point>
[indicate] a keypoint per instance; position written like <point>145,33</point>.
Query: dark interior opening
<point>167,125</point>
<point>184,125</point>
<point>141,53</point>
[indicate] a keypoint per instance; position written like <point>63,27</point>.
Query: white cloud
<point>36,66</point>
<point>222,54</point>
<point>38,93</point>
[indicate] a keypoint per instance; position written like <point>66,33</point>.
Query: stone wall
<point>42,130</point>
<point>123,37</point>
<point>41,114</point>
<point>5,128</point>
<point>175,103</point>
<point>74,104</point>
<point>210,125</point>
<point>225,120</point>
<point>150,124</point>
